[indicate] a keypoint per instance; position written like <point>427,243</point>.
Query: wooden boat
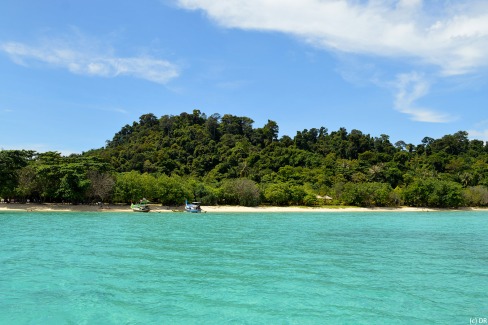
<point>142,206</point>
<point>193,207</point>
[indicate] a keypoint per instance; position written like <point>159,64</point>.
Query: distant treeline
<point>225,160</point>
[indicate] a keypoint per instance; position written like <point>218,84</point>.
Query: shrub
<point>172,190</point>
<point>285,194</point>
<point>476,196</point>
<point>241,191</point>
<point>432,192</point>
<point>367,194</point>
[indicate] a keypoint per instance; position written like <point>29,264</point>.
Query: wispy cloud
<point>118,110</point>
<point>80,58</point>
<point>448,37</point>
<point>480,131</point>
<point>410,87</point>
<point>39,147</point>
<point>454,38</point>
<point>479,134</point>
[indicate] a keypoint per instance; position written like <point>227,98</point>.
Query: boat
<point>142,206</point>
<point>193,207</point>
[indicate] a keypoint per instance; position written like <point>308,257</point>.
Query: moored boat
<point>142,206</point>
<point>193,207</point>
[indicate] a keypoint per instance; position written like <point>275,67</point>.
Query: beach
<point>156,208</point>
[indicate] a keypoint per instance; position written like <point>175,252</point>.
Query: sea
<point>244,268</point>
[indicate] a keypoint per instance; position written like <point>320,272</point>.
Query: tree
<point>172,190</point>
<point>133,186</point>
<point>277,194</point>
<point>270,132</point>
<point>47,167</point>
<point>476,196</point>
<point>27,186</point>
<point>11,161</point>
<point>212,126</point>
<point>241,191</point>
<point>282,193</point>
<point>431,192</point>
<point>101,185</point>
<point>72,187</point>
<point>367,194</point>
<point>74,182</point>
<point>148,120</point>
<point>454,144</point>
<point>216,158</point>
<point>231,124</point>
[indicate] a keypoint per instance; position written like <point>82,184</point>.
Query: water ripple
<point>91,268</point>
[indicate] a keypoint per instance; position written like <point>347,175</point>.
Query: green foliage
<point>172,190</point>
<point>241,191</point>
<point>51,177</point>
<point>368,194</point>
<point>310,199</point>
<point>216,158</point>
<point>27,186</point>
<point>133,186</point>
<point>431,192</point>
<point>72,187</point>
<point>277,194</point>
<point>476,196</point>
<point>11,161</point>
<point>282,193</point>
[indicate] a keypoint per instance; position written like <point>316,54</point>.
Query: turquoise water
<point>335,268</point>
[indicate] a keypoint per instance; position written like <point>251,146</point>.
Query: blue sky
<point>72,73</point>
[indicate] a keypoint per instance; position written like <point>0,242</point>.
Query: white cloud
<point>113,109</point>
<point>455,39</point>
<point>451,36</point>
<point>409,88</point>
<point>39,147</point>
<point>480,131</point>
<point>79,60</point>
<point>479,134</point>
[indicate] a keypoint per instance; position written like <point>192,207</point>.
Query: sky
<point>73,73</point>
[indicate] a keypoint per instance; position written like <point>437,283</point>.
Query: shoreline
<point>51,207</point>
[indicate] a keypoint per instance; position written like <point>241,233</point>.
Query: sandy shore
<point>219,209</point>
<point>331,209</point>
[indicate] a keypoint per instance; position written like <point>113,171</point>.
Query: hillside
<point>225,159</point>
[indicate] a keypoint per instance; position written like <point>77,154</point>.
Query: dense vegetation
<point>225,160</point>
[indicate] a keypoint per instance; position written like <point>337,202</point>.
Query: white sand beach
<point>50,207</point>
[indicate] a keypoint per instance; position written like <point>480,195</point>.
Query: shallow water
<point>268,268</point>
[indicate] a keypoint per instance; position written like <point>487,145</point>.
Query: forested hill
<point>226,160</point>
<point>192,144</point>
<point>222,147</point>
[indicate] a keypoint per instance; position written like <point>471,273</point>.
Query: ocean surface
<point>241,268</point>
